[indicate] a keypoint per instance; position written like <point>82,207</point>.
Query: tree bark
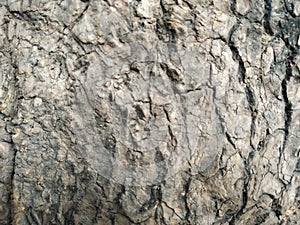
<point>121,112</point>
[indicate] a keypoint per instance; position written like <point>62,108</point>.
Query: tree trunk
<point>121,112</point>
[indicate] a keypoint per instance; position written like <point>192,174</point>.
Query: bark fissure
<point>149,112</point>
<point>267,17</point>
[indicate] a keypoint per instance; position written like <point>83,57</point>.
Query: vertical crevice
<point>186,191</point>
<point>233,7</point>
<point>287,104</point>
<point>286,35</point>
<point>267,17</point>
<point>12,178</point>
<point>244,191</point>
<point>156,199</point>
<point>11,131</point>
<point>166,25</point>
<point>250,96</point>
<point>288,110</point>
<point>248,89</point>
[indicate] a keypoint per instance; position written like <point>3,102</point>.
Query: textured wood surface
<point>123,112</point>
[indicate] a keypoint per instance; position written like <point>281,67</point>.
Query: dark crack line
<point>267,17</point>
<point>12,178</point>
<point>290,8</point>
<point>248,89</point>
<point>186,203</point>
<point>288,107</point>
<point>80,16</point>
<point>230,140</point>
<point>294,51</point>
<point>156,197</point>
<point>287,104</point>
<point>14,164</point>
<point>233,7</point>
<point>79,42</point>
<point>173,210</point>
<point>252,106</point>
<point>287,113</point>
<point>244,192</point>
<point>170,30</point>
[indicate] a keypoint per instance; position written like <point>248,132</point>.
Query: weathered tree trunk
<point>149,112</point>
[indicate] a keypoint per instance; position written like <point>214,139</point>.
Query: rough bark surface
<point>120,112</point>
